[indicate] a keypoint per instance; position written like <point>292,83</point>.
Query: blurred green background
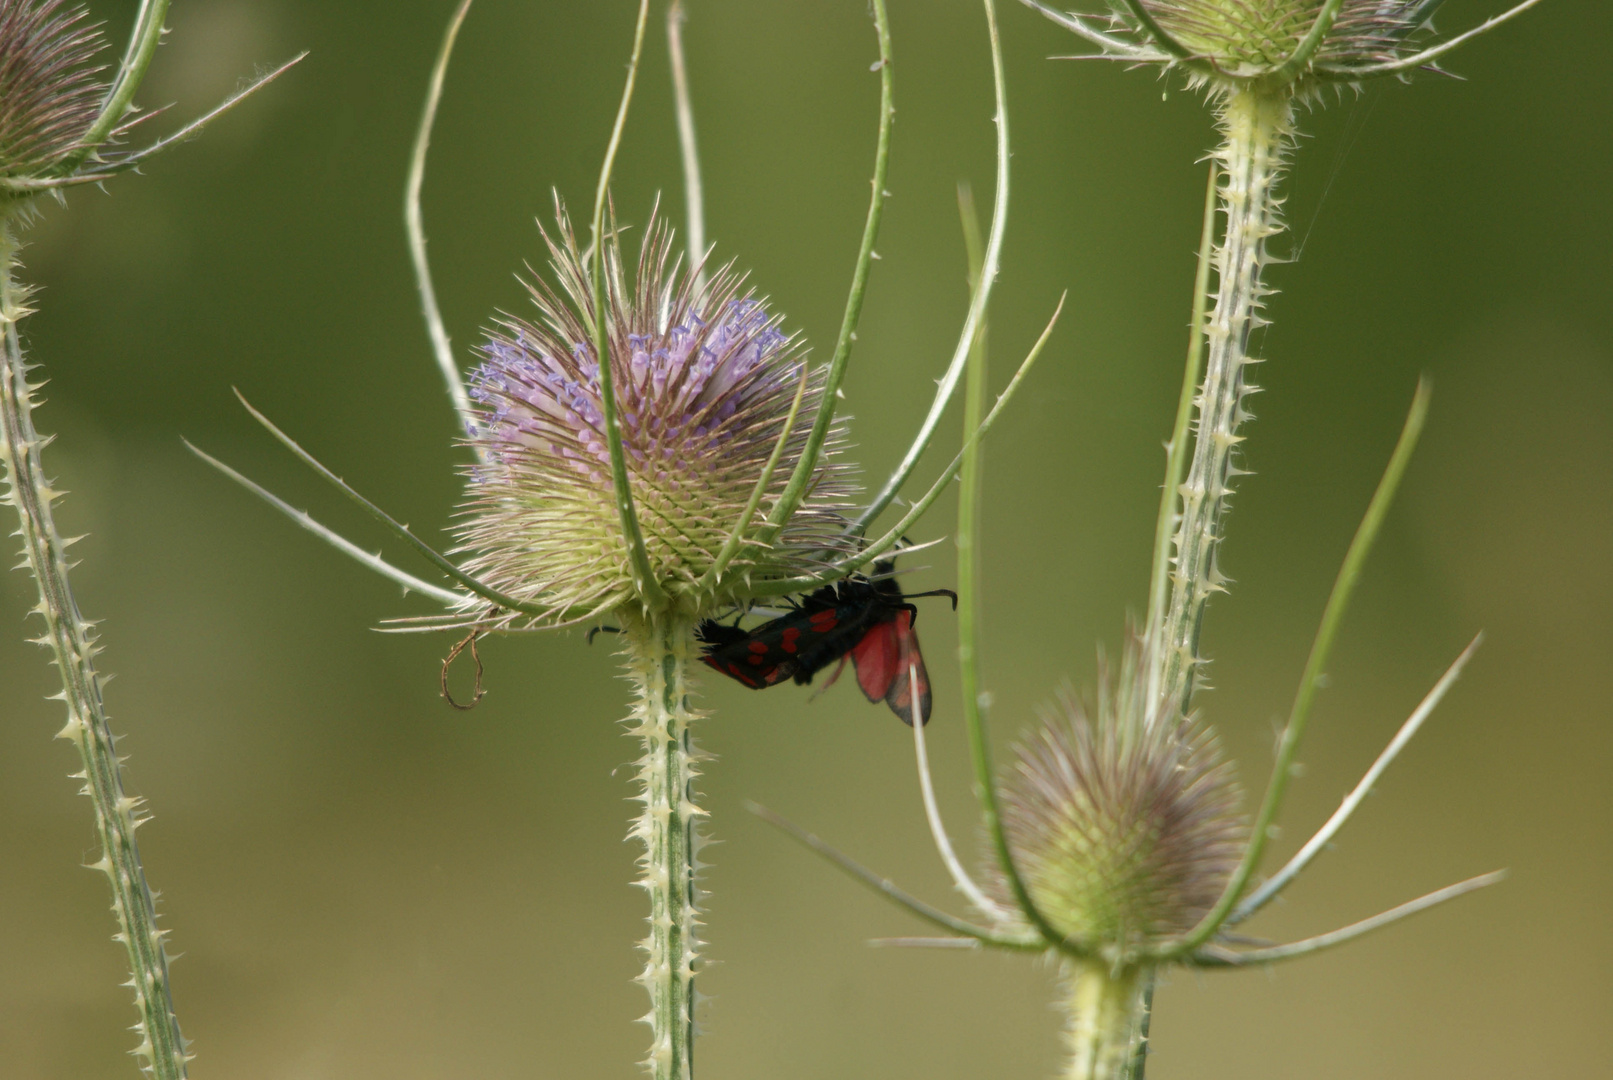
<point>363,883</point>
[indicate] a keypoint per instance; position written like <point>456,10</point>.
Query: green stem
<point>1255,126</point>
<point>969,472</point>
<point>1176,450</point>
<point>1139,1053</point>
<point>72,640</point>
<point>805,468</point>
<point>660,649</point>
<point>694,198</point>
<point>1106,1010</point>
<point>980,295</point>
<point>969,476</point>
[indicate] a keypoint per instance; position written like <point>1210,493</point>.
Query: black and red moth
<point>866,619</point>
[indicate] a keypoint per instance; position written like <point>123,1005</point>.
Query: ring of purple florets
<point>704,383</point>
<point>681,390</point>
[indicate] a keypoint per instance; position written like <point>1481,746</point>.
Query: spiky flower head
<point>1276,46</point>
<point>704,381</point>
<point>1125,834</point>
<point>1248,38</point>
<point>49,93</point>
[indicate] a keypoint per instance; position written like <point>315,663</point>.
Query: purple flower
<point>704,381</point>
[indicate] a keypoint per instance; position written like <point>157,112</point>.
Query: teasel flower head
<point>1291,46</point>
<point>1256,39</point>
<point>705,381</point>
<point>1125,834</point>
<point>50,95</point>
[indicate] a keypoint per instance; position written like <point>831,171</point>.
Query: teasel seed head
<point>704,381</point>
<point>1251,39</point>
<point>1125,834</point>
<point>49,92</point>
<point>1288,48</point>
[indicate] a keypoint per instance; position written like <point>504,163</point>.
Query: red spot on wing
<point>822,621</point>
<point>875,658</point>
<point>787,639</point>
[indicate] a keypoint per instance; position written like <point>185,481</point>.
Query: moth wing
<point>911,680</point>
<point>875,658</point>
<point>753,658</point>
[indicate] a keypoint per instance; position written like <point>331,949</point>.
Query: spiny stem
<point>1176,450</point>
<point>72,640</point>
<point>1140,1051</point>
<point>1105,1010</point>
<point>1256,126</point>
<point>660,649</point>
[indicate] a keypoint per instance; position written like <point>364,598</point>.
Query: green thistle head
<point>49,93</point>
<point>1291,47</point>
<point>1125,834</point>
<point>1247,39</point>
<point>704,382</point>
